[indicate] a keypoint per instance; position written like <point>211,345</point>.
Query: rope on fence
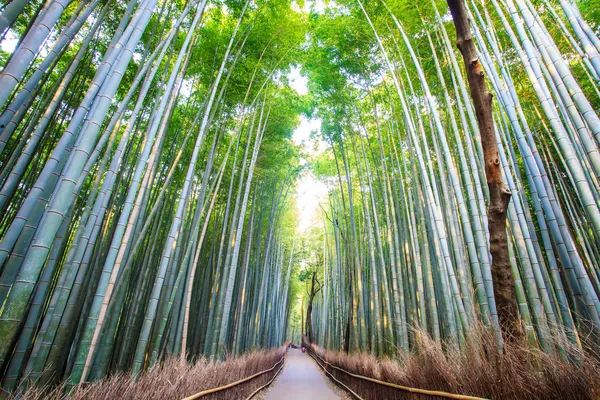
<point>405,388</point>
<point>333,377</point>
<point>230,385</point>
<point>266,384</point>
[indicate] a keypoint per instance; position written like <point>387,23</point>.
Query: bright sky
<point>310,192</point>
<point>317,5</point>
<point>10,41</point>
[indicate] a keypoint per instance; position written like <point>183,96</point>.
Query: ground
<point>302,378</point>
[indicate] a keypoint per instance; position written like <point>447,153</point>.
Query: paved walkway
<point>301,379</point>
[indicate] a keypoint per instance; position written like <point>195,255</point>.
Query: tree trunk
<point>311,297</point>
<point>503,281</point>
<point>349,320</point>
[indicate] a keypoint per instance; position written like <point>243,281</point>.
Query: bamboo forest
<point>408,191</point>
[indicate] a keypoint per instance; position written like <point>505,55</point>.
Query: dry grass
<point>176,380</point>
<point>526,372</point>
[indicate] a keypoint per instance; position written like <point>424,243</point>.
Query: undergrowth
<point>479,369</point>
<point>174,379</point>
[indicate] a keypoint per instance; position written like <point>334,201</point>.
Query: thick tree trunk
<point>302,326</point>
<point>313,292</point>
<point>349,320</point>
<point>503,281</point>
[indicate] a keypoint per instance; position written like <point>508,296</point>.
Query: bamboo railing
<point>239,382</point>
<point>435,393</point>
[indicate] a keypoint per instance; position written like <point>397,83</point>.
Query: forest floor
<point>302,379</point>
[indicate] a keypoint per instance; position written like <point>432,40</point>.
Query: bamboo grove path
<point>301,379</point>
